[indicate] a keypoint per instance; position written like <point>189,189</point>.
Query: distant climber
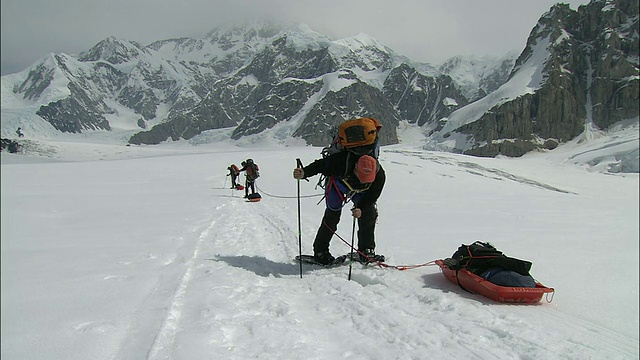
<point>234,172</point>
<point>251,174</point>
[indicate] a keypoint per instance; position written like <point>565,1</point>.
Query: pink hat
<point>366,169</point>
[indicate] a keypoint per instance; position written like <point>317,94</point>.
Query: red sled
<point>504,294</point>
<point>239,187</point>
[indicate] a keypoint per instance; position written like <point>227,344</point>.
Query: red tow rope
<point>380,263</point>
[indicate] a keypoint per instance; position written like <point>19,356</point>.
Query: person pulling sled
<point>234,172</point>
<point>352,173</point>
<point>252,172</point>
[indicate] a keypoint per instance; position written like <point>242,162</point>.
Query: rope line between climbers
<point>379,263</point>
<point>285,197</point>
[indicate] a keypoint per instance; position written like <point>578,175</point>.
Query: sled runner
<point>505,294</point>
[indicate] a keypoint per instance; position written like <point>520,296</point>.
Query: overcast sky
<point>424,30</point>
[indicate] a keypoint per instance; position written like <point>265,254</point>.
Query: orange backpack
<point>253,171</point>
<point>356,136</point>
<point>358,132</point>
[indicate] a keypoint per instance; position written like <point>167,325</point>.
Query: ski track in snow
<point>480,170</point>
<point>164,342</point>
<point>426,306</point>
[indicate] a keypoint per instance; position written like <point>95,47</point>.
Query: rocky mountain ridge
<point>583,69</point>
<point>291,81</point>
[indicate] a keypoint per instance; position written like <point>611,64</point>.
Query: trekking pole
<point>353,232</point>
<point>299,164</point>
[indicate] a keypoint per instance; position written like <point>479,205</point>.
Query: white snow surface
<point>143,252</point>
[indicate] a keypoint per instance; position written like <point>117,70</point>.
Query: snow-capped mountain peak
<point>264,79</point>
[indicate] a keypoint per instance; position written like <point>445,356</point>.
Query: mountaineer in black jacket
<point>251,174</point>
<point>349,177</point>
